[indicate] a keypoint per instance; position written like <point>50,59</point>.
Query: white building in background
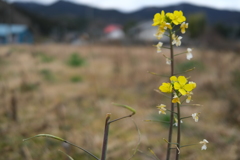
<point>114,32</point>
<point>144,31</point>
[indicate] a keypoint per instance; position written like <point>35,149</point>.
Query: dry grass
<point>49,102</point>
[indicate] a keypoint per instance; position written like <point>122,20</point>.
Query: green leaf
<point>127,107</point>
<point>46,135</point>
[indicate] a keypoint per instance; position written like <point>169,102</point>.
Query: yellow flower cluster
<point>168,21</point>
<point>180,86</point>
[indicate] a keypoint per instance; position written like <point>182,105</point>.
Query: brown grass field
<point>48,94</point>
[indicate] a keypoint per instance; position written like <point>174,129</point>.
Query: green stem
<point>180,53</point>
<point>190,145</point>
<point>186,117</point>
<point>149,120</point>
<point>178,132</point>
<point>172,105</point>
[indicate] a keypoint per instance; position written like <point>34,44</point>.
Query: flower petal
<point>188,87</point>
<point>173,78</point>
<point>182,80</point>
<point>182,91</point>
<point>177,86</point>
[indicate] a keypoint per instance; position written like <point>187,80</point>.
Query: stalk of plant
<point>178,86</point>
<point>172,104</point>
<point>105,138</point>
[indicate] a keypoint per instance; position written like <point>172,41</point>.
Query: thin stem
<point>178,132</point>
<point>105,138</point>
<point>149,120</point>
<point>186,117</point>
<point>121,118</point>
<point>189,145</point>
<point>180,53</point>
<point>189,70</point>
<point>172,105</point>
<point>157,74</point>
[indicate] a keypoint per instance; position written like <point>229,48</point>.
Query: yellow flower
<point>176,99</point>
<point>176,17</point>
<point>166,87</point>
<point>165,26</point>
<point>194,85</point>
<point>182,85</point>
<point>173,79</point>
<point>158,18</point>
<point>159,33</point>
<point>159,45</point>
<point>162,109</point>
<point>183,27</point>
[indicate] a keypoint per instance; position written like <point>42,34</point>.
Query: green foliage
<point>47,75</point>
<point>164,119</point>
<point>75,60</point>
<point>197,25</point>
<point>189,65</point>
<point>76,79</point>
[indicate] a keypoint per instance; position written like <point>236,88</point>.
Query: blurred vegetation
<point>197,25</point>
<point>75,60</point>
<point>76,106</point>
<point>182,67</point>
<point>76,79</point>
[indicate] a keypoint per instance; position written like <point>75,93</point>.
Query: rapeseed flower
<point>189,97</point>
<point>183,27</point>
<point>162,109</point>
<point>176,121</point>
<point>176,17</point>
<point>195,116</point>
<point>176,40</point>
<point>204,142</point>
<point>176,99</point>
<point>182,86</point>
<point>159,45</point>
<point>168,61</point>
<point>166,87</point>
<point>189,54</point>
<point>158,18</point>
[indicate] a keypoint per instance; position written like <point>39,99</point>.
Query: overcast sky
<point>132,5</point>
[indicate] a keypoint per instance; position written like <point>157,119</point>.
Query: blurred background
<point>63,63</point>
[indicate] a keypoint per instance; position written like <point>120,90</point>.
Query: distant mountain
<point>69,9</point>
<point>8,14</point>
<point>213,15</point>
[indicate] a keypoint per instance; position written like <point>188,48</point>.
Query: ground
<point>67,91</point>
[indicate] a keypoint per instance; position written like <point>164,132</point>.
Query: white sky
<point>132,5</point>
